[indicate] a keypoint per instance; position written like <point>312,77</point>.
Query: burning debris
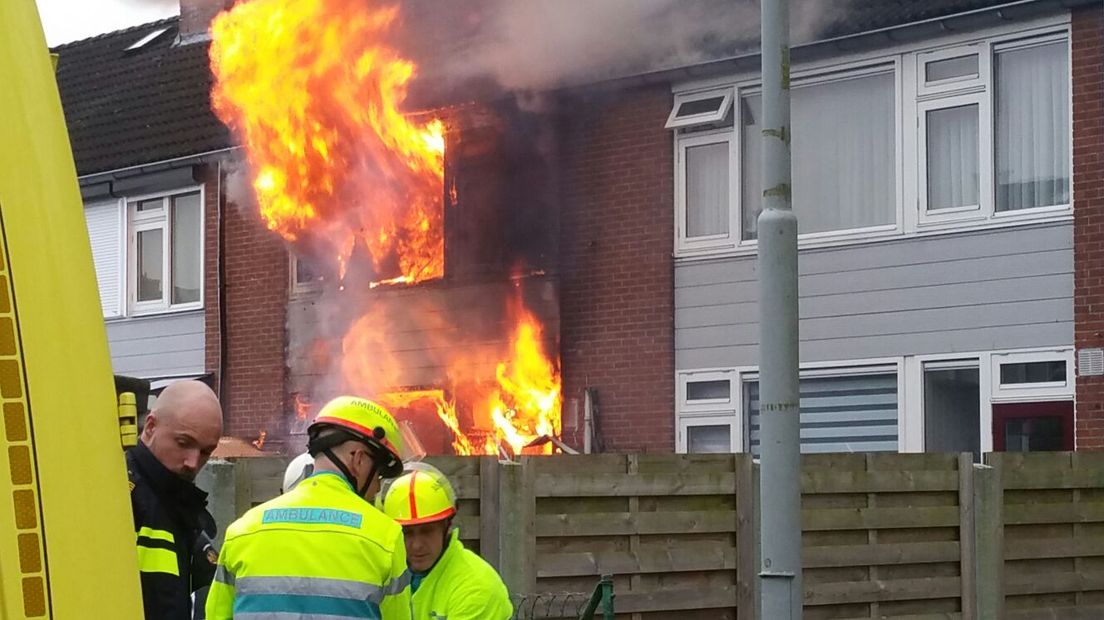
<point>315,91</point>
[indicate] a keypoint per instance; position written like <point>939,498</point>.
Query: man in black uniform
<point>174,529</point>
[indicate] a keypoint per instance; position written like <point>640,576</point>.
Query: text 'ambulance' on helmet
<point>372,424</point>
<point>422,495</point>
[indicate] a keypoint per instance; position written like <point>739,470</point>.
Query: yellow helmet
<point>422,495</point>
<point>369,423</point>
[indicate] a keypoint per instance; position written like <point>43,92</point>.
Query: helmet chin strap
<point>362,489</point>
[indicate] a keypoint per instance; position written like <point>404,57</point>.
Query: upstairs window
<point>165,253</point>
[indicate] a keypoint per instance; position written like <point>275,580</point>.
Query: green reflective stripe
<point>149,532</point>
<point>153,560</point>
<point>304,604</point>
<point>223,575</point>
<point>312,586</point>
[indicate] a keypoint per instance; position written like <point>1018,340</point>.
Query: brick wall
<point>209,175</point>
<point>1088,227</point>
<point>617,275</point>
<point>255,297</point>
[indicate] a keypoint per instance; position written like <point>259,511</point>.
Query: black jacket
<point>174,531</point>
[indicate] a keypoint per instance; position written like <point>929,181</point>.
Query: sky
<point>71,20</point>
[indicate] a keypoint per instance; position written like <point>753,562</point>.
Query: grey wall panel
<point>984,290</point>
<point>158,346</point>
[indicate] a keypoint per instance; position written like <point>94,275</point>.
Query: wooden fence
<point>906,536</point>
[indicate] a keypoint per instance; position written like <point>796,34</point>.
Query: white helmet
<point>297,470</point>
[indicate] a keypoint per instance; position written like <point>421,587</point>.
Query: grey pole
<point>780,465</point>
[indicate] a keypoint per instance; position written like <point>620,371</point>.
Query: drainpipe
<point>780,466</point>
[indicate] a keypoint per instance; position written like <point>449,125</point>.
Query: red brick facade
<point>1088,228</point>
<point>254,295</point>
<point>617,274</point>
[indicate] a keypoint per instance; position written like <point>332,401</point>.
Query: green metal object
<point>602,595</point>
<point>568,605</point>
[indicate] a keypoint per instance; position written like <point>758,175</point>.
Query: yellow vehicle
<point>67,546</point>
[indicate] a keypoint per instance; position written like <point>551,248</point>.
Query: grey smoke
<point>534,44</point>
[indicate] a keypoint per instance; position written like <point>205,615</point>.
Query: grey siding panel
<point>999,289</point>
<point>158,346</point>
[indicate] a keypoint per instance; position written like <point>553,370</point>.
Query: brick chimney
<point>196,16</point>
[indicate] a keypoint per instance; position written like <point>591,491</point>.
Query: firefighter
<point>173,528</point>
<point>321,550</point>
<point>448,581</point>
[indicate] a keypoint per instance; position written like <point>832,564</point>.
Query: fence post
<point>989,538</point>
<point>967,532</point>
<point>218,478</point>
<point>516,534</point>
<point>488,511</point>
<point>747,534</point>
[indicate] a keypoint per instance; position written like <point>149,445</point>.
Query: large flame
<point>314,91</point>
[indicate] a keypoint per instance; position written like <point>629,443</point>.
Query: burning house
<point>505,219</point>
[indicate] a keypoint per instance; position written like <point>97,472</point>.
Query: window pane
<point>952,410</point>
<point>150,205</point>
<point>839,414</point>
<point>1043,433</point>
<point>714,439</point>
<point>187,264</point>
<point>1032,133</point>
<point>707,390</point>
<point>707,190</point>
<point>953,157</point>
<point>304,273</point>
<point>1033,372</point>
<point>960,66</point>
<point>151,264</point>
<point>844,170</point>
<point>699,106</point>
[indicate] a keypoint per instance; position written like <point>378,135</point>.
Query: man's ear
<point>150,424</point>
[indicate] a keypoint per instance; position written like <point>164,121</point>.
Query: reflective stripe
<point>149,532</point>
<point>154,560</point>
<point>398,584</point>
<point>223,575</point>
<point>310,586</point>
<point>304,604</point>
<point>278,615</point>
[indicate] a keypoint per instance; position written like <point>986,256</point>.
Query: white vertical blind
<point>707,192</point>
<point>105,232</point>
<point>1032,128</point>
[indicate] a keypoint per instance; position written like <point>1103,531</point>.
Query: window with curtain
<point>843,152</point>
<point>707,189</point>
<point>1032,127</point>
<point>953,157</point>
<point>854,413</point>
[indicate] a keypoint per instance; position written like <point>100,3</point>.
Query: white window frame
<point>1012,392</point>
<point>161,219</point>
<point>989,390</point>
<point>294,285</point>
<point>704,118</point>
<point>688,407</point>
<point>682,442</point>
<point>683,242</point>
<point>983,209</point>
<point>911,92</point>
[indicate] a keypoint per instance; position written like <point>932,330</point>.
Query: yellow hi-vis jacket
<point>461,586</point>
<point>318,551</point>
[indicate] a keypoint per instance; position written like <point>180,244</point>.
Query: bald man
<point>174,529</point>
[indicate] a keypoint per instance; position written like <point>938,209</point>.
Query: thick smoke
<point>535,44</point>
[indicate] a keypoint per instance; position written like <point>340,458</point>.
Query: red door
<point>1033,427</point>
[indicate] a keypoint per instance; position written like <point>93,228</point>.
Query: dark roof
<point>125,108</point>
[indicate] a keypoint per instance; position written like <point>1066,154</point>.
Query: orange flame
<point>314,93</point>
<point>259,442</point>
<point>302,407</point>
